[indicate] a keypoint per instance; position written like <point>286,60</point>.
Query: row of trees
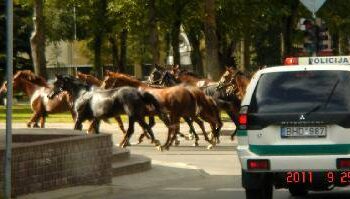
<point>247,33</point>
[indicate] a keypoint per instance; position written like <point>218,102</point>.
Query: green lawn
<point>23,112</point>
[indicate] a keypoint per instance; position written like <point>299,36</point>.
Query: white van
<point>294,130</point>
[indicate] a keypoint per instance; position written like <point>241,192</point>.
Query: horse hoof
<point>177,143</point>
<point>159,148</point>
<point>210,146</point>
<point>195,144</point>
<point>190,137</point>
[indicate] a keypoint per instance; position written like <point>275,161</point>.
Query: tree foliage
<point>142,31</point>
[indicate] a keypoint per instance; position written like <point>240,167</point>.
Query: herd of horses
<point>170,94</point>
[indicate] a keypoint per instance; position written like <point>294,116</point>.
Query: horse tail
<point>149,99</point>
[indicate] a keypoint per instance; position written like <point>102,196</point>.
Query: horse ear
<point>107,72</point>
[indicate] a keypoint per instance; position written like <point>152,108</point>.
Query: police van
<point>294,127</point>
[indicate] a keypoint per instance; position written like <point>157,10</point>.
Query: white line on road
<point>230,189</point>
<point>182,189</point>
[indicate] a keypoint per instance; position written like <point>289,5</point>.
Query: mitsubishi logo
<point>301,117</point>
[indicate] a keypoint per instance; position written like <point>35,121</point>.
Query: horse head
<point>156,75</point>
<point>66,83</point>
<point>168,79</point>
<point>175,70</point>
<point>228,77</point>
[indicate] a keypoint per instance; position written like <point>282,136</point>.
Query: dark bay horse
<point>179,102</point>
<point>99,104</point>
<point>94,81</point>
<point>41,106</point>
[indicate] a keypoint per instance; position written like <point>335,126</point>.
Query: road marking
<point>183,189</point>
<point>230,189</point>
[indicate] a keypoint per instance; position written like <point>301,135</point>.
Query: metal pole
<point>9,69</point>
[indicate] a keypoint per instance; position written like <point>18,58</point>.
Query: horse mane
<point>88,78</point>
<point>125,78</point>
<point>76,81</point>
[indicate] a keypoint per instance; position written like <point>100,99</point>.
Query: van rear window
<point>302,91</point>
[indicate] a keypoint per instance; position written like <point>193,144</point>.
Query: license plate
<point>303,131</point>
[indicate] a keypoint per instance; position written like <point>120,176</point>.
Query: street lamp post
<point>9,74</point>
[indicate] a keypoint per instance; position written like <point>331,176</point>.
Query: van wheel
<point>264,192</point>
<point>298,190</point>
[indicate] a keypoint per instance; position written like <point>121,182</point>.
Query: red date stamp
<point>308,177</point>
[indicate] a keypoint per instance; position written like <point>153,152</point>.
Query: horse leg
<point>94,126</point>
<point>151,123</point>
<point>42,121</point>
<point>175,131</point>
<point>192,130</point>
<point>129,132</point>
<point>171,129</point>
<point>201,125</point>
<point>78,123</point>
<point>31,120</point>
<point>120,124</point>
<point>35,119</point>
<point>145,126</point>
<point>193,133</point>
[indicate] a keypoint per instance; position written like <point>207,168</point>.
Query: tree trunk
<point>196,56</point>
<point>113,39</point>
<point>175,32</point>
<point>123,50</point>
<point>245,53</point>
<point>212,63</point>
<point>288,29</point>
<point>153,37</point>
<point>97,55</point>
<point>37,40</point>
<point>100,13</point>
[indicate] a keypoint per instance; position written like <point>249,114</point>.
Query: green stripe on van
<point>241,132</point>
<point>300,149</point>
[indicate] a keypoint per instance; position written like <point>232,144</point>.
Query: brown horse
<point>190,78</point>
<point>179,102</point>
<point>235,80</point>
<point>89,79</point>
<point>39,102</point>
<point>94,81</point>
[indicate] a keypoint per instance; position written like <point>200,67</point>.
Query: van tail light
<point>243,117</point>
<point>343,163</point>
<point>258,164</point>
<point>291,61</point>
